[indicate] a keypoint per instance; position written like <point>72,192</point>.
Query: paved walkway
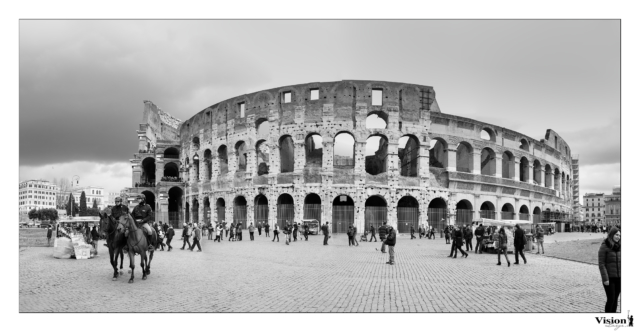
<point>263,276</point>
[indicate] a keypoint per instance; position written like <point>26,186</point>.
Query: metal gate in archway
<point>240,215</point>
<point>374,216</point>
<point>343,216</point>
<point>407,217</point>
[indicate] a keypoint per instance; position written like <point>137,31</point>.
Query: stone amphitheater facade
<point>429,168</point>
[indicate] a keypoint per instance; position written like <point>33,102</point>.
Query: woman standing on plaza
<point>609,264</point>
<point>276,230</point>
<point>446,234</point>
<point>502,246</point>
<point>251,230</point>
<point>458,242</point>
<point>540,239</point>
<point>232,230</point>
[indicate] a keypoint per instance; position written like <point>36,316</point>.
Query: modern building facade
<point>308,151</point>
<point>594,207</point>
<point>612,207</point>
<point>37,194</point>
<point>91,193</point>
<point>575,169</point>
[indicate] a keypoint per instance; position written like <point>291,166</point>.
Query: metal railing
<point>240,215</point>
<point>284,212</point>
<point>261,214</point>
<point>488,214</point>
<point>312,211</point>
<point>536,218</point>
<point>407,217</point>
<point>374,216</point>
<point>343,216</point>
<point>437,219</point>
<point>464,217</point>
<point>507,215</point>
<point>523,216</point>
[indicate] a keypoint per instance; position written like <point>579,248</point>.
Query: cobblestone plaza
<point>262,276</point>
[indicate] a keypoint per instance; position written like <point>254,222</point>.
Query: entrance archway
<point>375,212</point>
<point>150,199</point>
<point>464,212</point>
<point>343,213</point>
<point>487,211</point>
<point>175,207</point>
<point>508,212</point>
<point>194,208</point>
<point>524,213</point>
<point>207,211</point>
<point>148,176</point>
<point>220,210</point>
<point>240,211</point>
<point>285,210</point>
<point>261,210</point>
<point>312,207</point>
<point>437,214</point>
<point>408,211</point>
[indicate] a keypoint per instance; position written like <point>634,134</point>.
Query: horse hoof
<point>129,271</point>
<point>131,281</point>
<point>144,278</point>
<point>148,272</point>
<point>114,279</point>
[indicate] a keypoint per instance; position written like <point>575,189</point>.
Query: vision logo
<point>616,323</point>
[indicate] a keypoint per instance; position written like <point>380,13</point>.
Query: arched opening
<point>488,162</point>
<point>548,176</point>
<point>376,120</point>
<point>343,213</point>
<point>148,175</point>
<point>196,167</point>
<point>524,213</point>
<point>438,156</point>
<point>312,207</point>
<point>241,156</point>
<point>171,153</point>
<point>508,165</point>
<point>487,211</point>
<point>262,156</point>
<point>196,143</point>
<point>524,145</point>
<point>313,150</point>
<point>524,169</point>
<point>508,212</point>
<point>537,172</point>
<point>240,211</point>
<point>464,212</point>
<point>223,160</point>
<point>376,154</point>
<point>261,210</point>
<point>149,198</point>
<point>207,211</point>
<point>262,127</point>
<point>285,210</point>
<point>344,150</point>
<point>187,213</point>
<point>194,211</point>
<point>171,172</point>
<point>464,157</point>
<point>375,212</point>
<point>488,134</point>
<point>220,210</point>
<point>175,207</point>
<point>408,214</point>
<point>408,155</point>
<point>437,215</point>
<point>557,181</point>
<point>546,215</point>
<point>287,154</point>
<point>536,215</point>
<point>208,163</point>
<point>564,183</point>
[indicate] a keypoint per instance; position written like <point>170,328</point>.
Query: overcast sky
<point>82,83</point>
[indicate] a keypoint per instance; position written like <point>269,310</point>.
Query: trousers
<point>517,252</point>
<point>469,244</point>
<point>479,244</point>
<point>275,235</point>
<point>251,235</point>
<point>613,292</point>
<point>384,246</point>
<point>185,241</point>
<point>169,242</point>
<point>392,254</point>
<point>195,242</point>
<point>373,236</point>
<point>326,239</point>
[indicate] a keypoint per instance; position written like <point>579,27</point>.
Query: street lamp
<point>77,178</point>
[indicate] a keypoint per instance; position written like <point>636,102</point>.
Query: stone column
<point>359,162</point>
<point>477,155</point>
<point>451,160</point>
<point>516,168</point>
<point>530,170</point>
<point>498,166</point>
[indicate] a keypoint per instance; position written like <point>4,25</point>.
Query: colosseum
<point>344,152</point>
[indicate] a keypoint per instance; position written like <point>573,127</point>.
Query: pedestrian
<point>169,234</point>
<point>306,231</point>
<point>479,233</point>
<point>49,233</point>
<point>239,232</point>
<point>95,236</point>
<point>165,227</point>
<point>390,241</point>
<point>160,235</point>
<point>610,267</point>
<point>275,232</point>
<point>295,231</point>
<point>420,231</point>
<point>325,232</point>
<point>502,246</point>
<point>540,239</point>
<point>413,232</point>
<point>372,230</point>
<point>266,230</point>
<point>355,234</point>
<point>458,238</point>
<point>260,228</point>
<point>447,233</point>
<point>519,240</point>
<point>186,233</point>
<point>197,236</point>
<point>251,230</point>
<point>210,231</point>
<point>432,234</point>
<point>219,232</point>
<point>232,230</point>
<point>468,238</point>
<point>226,230</point>
<point>382,232</point>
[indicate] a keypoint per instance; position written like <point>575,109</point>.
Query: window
<point>286,97</point>
<point>241,109</point>
<point>376,97</point>
<point>315,94</point>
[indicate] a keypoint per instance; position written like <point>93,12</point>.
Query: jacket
<point>184,231</point>
<point>519,239</point>
<point>49,232</point>
<point>479,231</point>
<point>458,237</point>
<point>468,234</point>
<point>197,234</point>
<point>325,229</point>
<point>502,241</point>
<point>391,239</point>
<point>170,233</point>
<point>539,233</point>
<point>94,234</point>
<point>266,227</point>
<point>608,261</point>
<point>382,230</point>
<point>251,229</point>
<point>372,229</point>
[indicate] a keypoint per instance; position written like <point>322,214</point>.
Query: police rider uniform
<point>143,215</point>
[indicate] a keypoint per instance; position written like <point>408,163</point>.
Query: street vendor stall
<point>72,242</point>
<point>314,225</point>
<point>509,225</point>
<point>546,226</point>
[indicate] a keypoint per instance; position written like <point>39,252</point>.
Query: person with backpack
<point>479,233</point>
<point>390,241</point>
<point>502,246</point>
<point>382,232</point>
<point>275,233</point>
<point>540,239</point>
<point>468,237</point>
<point>169,234</point>
<point>186,233</point>
<point>197,236</point>
<point>372,230</point>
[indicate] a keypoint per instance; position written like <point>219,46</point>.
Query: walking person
<point>458,238</point>
<point>479,233</point>
<point>169,234</point>
<point>275,232</point>
<point>540,239</point>
<point>355,235</point>
<point>382,232</point>
<point>609,256</point>
<point>49,233</point>
<point>421,231</point>
<point>502,246</point>
<point>266,230</point>
<point>260,228</point>
<point>186,233</point>
<point>519,241</point>
<point>219,232</point>
<point>239,232</point>
<point>251,230</point>
<point>295,231</point>
<point>210,231</point>
<point>197,236</point>
<point>232,235</point>
<point>468,238</point>
<point>447,233</point>
<point>306,232</point>
<point>226,230</point>
<point>95,236</point>
<point>413,232</point>
<point>432,234</point>
<point>325,232</point>
<point>160,234</point>
<point>372,230</point>
<point>390,240</point>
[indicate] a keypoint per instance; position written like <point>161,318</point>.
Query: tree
<point>64,185</point>
<point>76,208</point>
<point>33,214</point>
<point>83,204</point>
<point>95,204</point>
<point>93,212</point>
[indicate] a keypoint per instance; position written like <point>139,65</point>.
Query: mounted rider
<point>143,215</point>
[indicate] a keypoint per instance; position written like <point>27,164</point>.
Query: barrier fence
<point>374,216</point>
<point>407,217</point>
<point>343,216</point>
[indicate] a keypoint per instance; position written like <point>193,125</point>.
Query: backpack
<point>189,231</point>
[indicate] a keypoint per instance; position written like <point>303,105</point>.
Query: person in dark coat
<point>382,232</point>
<point>502,246</point>
<point>325,232</point>
<point>447,235</point>
<point>266,230</point>
<point>458,236</point>
<point>185,236</point>
<point>350,235</point>
<point>413,232</point>
<point>479,233</point>
<point>49,233</point>
<point>519,241</point>
<point>305,227</point>
<point>609,257</point>
<point>295,231</point>
<point>391,243</point>
<point>468,238</point>
<point>95,236</point>
<point>372,230</point>
<point>260,228</point>
<point>169,234</point>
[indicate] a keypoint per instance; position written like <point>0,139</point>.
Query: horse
<point>137,243</point>
<point>115,241</point>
